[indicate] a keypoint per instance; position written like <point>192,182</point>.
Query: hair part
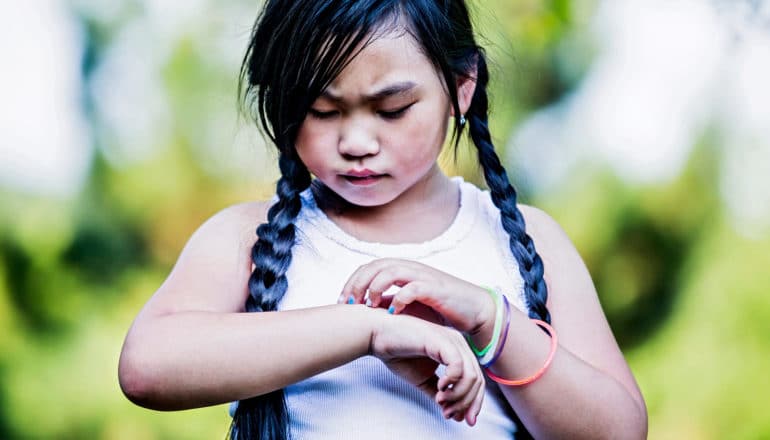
<point>297,48</point>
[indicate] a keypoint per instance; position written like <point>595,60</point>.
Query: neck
<point>428,208</point>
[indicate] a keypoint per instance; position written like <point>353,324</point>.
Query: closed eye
<point>395,114</point>
<point>321,114</point>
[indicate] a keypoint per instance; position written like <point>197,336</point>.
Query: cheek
<point>425,138</point>
<point>311,142</point>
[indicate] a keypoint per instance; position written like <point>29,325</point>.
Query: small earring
<point>462,120</point>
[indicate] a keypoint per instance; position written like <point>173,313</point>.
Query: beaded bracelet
<point>541,371</point>
<point>496,332</point>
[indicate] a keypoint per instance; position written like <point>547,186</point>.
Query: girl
<point>378,286</point>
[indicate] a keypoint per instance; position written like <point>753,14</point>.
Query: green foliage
<point>684,293</point>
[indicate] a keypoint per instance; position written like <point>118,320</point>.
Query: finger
<point>464,403</point>
<point>461,409</point>
<point>393,275</point>
<point>358,283</point>
<point>352,292</point>
<point>452,375</point>
<point>470,374</point>
<point>472,414</point>
<point>408,294</point>
<point>473,411</point>
<point>461,394</point>
<point>470,406</point>
<point>451,357</point>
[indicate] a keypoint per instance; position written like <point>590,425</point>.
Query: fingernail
<point>392,310</point>
<point>351,300</point>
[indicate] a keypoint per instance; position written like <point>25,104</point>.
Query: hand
<point>413,348</point>
<point>460,304</point>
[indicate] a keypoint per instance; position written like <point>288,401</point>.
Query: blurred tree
<point>684,293</point>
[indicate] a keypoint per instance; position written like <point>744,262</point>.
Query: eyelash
<point>395,114</point>
<point>322,115</point>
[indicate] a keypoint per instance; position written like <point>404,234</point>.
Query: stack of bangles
<point>489,354</point>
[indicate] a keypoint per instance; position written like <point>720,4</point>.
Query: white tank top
<point>363,399</point>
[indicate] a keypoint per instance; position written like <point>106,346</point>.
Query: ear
<point>466,87</point>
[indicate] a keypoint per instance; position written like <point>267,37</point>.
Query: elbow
<point>634,430</point>
<point>137,381</point>
<point>626,421</point>
<point>642,424</point>
<point>640,419</point>
<point>635,426</point>
<point>133,382</point>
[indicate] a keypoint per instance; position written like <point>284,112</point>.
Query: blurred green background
<point>639,126</point>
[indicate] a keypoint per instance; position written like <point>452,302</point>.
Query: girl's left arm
<point>587,392</point>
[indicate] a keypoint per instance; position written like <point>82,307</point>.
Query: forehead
<point>388,58</point>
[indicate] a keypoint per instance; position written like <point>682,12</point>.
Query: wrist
<point>484,323</point>
<point>374,319</point>
<point>364,321</point>
<point>489,354</point>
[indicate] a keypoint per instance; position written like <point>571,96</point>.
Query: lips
<point>361,173</point>
<point>362,177</point>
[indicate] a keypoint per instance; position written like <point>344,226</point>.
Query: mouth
<point>363,177</point>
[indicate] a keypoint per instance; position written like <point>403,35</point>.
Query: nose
<point>357,140</point>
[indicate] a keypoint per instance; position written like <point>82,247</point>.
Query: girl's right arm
<point>192,345</point>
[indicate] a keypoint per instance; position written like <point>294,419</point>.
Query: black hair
<point>297,48</point>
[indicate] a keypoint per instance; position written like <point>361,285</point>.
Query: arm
<point>588,391</point>
<point>192,345</point>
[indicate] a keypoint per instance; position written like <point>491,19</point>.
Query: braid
<point>271,253</point>
<point>266,416</point>
<point>504,197</point>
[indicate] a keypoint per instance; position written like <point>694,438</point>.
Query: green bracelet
<point>498,323</point>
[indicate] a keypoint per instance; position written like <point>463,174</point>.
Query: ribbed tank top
<point>363,399</point>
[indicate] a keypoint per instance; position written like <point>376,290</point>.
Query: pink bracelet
<point>505,334</point>
<point>541,371</point>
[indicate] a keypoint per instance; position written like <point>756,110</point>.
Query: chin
<point>368,198</point>
<point>367,201</point>
<point>363,196</point>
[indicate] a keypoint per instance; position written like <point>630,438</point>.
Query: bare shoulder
<point>212,271</point>
<point>570,287</point>
<point>566,275</point>
<point>236,222</point>
<point>238,216</point>
<point>551,241</point>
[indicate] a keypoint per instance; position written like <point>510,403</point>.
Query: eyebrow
<point>399,88</point>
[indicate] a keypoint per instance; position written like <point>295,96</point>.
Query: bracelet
<point>541,371</point>
<point>496,332</point>
<point>500,346</point>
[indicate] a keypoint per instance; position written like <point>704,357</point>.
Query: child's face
<point>376,131</point>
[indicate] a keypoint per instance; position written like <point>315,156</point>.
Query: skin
<point>186,347</point>
<point>398,136</point>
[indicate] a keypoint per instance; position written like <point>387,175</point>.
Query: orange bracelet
<point>541,371</point>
